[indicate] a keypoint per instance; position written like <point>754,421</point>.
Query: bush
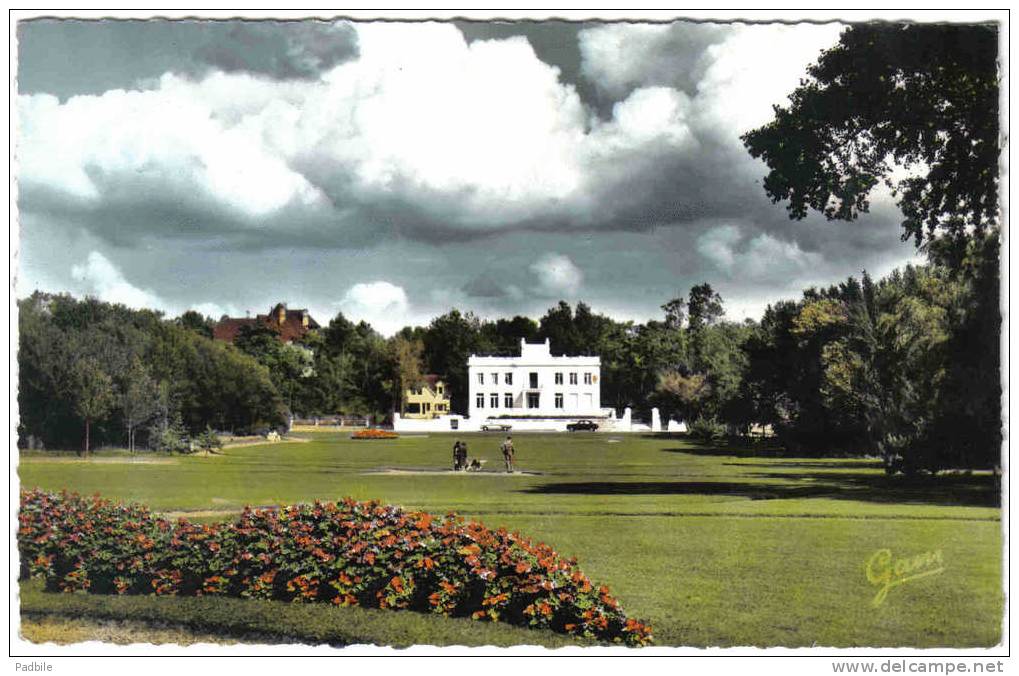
<point>209,441</point>
<point>708,429</point>
<point>170,438</point>
<point>347,554</point>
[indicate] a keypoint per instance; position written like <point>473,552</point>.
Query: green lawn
<point>713,546</point>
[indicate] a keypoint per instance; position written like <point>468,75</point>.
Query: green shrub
<point>347,554</point>
<point>209,441</point>
<point>708,429</point>
<point>170,437</point>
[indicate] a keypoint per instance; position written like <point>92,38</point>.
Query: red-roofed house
<point>290,325</point>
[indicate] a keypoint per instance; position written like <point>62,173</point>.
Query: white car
<point>491,426</point>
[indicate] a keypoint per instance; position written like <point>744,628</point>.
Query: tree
<point>887,97</point>
<point>915,107</point>
<point>449,341</point>
<point>209,441</point>
<point>139,399</point>
<point>684,393</point>
<point>503,335</point>
<point>675,312</point>
<point>704,306</point>
<point>93,394</point>
<point>195,321</point>
<point>406,359</point>
<point>558,326</point>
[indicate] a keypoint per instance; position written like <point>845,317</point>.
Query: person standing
<point>462,462</point>
<point>507,453</point>
<point>456,456</point>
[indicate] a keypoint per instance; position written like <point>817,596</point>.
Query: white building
<point>536,384</point>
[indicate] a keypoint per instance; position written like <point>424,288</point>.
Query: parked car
<point>490,426</point>
<point>582,426</point>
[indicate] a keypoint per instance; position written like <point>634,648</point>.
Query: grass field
<point>715,547</point>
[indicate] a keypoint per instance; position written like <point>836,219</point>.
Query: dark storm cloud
<point>285,50</point>
<point>68,57</point>
<point>485,286</point>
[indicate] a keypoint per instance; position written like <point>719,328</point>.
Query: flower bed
<point>372,433</point>
<point>347,553</point>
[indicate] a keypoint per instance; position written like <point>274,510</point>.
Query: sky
<point>393,171</point>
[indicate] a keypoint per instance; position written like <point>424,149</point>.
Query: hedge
<point>348,553</point>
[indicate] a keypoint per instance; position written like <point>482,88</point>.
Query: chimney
<point>282,314</point>
<point>304,319</point>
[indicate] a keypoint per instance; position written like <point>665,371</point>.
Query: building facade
<point>534,385</point>
<point>428,400</point>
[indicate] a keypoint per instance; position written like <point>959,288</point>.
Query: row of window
<point>533,400</point>
<point>507,378</point>
<point>426,407</point>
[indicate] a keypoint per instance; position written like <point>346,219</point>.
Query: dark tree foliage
<point>199,381</point>
<point>704,306</point>
<point>449,341</point>
<point>919,96</point>
<point>916,107</point>
<point>196,322</point>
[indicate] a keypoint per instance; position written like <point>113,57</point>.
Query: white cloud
<point>477,136</point>
<point>717,244</point>
<point>380,303</point>
<point>556,276</point>
<point>622,56</point>
<point>104,281</point>
<point>761,257</point>
<point>757,67</point>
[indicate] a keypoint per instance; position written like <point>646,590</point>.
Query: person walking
<point>507,453</point>
<point>462,458</point>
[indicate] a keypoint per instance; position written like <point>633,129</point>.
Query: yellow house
<point>429,399</point>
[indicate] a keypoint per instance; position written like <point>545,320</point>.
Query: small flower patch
<point>372,433</point>
<point>347,553</point>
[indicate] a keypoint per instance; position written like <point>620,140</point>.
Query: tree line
<point>905,366</point>
<point>97,373</point>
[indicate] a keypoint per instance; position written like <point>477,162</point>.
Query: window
<point>559,378</point>
<point>532,399</point>
<point>533,375</point>
<point>439,389</point>
<point>507,400</point>
<point>573,379</point>
<point>413,408</point>
<point>495,378</point>
<point>508,378</point>
<point>587,378</point>
<point>558,399</point>
<point>481,378</point>
<point>493,400</point>
<point>480,401</point>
